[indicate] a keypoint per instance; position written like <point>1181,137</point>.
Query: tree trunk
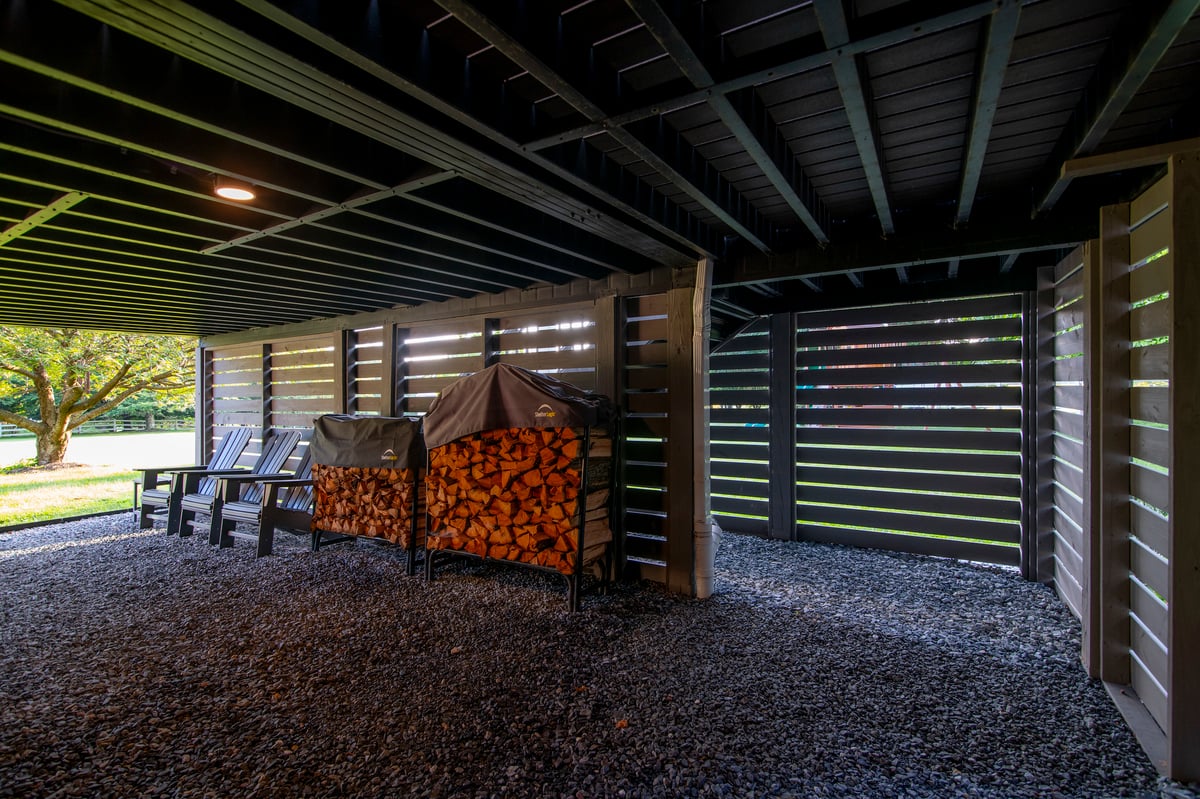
<point>52,446</point>
<point>149,420</point>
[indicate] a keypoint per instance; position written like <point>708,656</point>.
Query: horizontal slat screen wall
<point>739,417</point>
<point>909,428</point>
<point>433,357</point>
<point>303,382</point>
<point>1149,318</point>
<point>237,394</point>
<point>364,361</point>
<point>1069,452</point>
<point>558,343</point>
<point>644,461</point>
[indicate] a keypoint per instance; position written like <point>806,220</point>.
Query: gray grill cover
<point>509,396</point>
<point>391,442</point>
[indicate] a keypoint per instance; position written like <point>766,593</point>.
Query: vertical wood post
<point>204,404</point>
<point>1043,518</point>
<point>781,499</point>
<point>610,381</point>
<point>491,342</point>
<point>1108,438</point>
<point>1183,652</point>
<point>687,438</point>
<point>345,401</point>
<point>395,370</point>
<point>1029,433</point>
<point>265,415</point>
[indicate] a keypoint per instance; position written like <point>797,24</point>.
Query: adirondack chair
<point>159,503</point>
<point>200,488</point>
<point>265,504</point>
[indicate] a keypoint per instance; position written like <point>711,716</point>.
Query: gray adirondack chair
<point>200,488</point>
<point>264,505</point>
<point>162,488</point>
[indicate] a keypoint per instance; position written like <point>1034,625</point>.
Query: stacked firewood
<point>513,494</point>
<point>366,501</point>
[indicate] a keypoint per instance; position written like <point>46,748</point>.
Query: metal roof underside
<point>411,151</point>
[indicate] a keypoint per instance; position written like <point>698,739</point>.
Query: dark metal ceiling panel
<point>408,152</point>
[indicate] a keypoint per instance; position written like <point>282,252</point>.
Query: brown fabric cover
<point>367,441</point>
<point>509,396</point>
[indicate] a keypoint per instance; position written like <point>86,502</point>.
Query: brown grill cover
<point>509,396</point>
<point>390,442</point>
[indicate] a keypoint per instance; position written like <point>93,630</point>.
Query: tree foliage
<point>78,375</point>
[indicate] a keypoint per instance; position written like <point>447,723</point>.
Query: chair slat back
<point>275,452</point>
<point>254,491</point>
<point>230,448</point>
<point>299,497</point>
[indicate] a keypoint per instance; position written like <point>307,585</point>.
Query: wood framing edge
<point>1109,439</point>
<point>578,291</point>
<point>1183,645</point>
<point>1149,735</point>
<point>1152,155</point>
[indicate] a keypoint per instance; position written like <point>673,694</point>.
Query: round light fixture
<point>232,190</point>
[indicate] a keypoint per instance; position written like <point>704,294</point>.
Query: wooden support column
<point>204,404</point>
<point>1107,298</point>
<point>265,416</point>
<point>688,324</point>
<point>781,498</point>
<point>1093,348</point>
<point>343,341</point>
<point>1042,569</point>
<point>1036,407</point>
<point>610,381</point>
<point>395,370</point>
<point>1183,646</point>
<point>491,342</point>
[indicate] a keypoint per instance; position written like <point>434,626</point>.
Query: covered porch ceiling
<point>412,151</point>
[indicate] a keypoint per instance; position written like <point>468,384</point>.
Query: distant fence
<point>107,426</point>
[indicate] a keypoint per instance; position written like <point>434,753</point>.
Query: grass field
<point>30,494</point>
<point>100,477</point>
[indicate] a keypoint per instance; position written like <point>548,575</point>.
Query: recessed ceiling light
<point>233,190</point>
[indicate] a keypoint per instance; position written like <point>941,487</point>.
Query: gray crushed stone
<point>137,664</point>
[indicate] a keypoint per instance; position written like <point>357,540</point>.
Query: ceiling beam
<point>41,216</point>
<point>204,39</point>
<point>854,85</point>
<point>995,49</point>
<point>680,170</point>
<point>1126,64</point>
<point>891,293</point>
<point>482,107</point>
<point>884,29</point>
<point>934,245</point>
<point>765,146</point>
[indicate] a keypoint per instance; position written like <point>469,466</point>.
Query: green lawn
<point>29,494</point>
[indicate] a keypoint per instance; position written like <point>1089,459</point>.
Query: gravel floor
<point>135,664</point>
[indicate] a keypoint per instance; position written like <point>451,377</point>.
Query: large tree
<point>77,375</point>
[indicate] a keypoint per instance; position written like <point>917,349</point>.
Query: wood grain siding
<point>236,377</point>
<point>909,428</point>
<point>365,378</point>
<point>1071,549</point>
<point>304,381</point>
<point>740,430</point>
<point>644,461</point>
<point>559,342</point>
<point>1147,437</point>
<point>434,356</point>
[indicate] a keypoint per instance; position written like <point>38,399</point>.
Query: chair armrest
<point>205,471</point>
<point>254,478</point>
<point>285,480</point>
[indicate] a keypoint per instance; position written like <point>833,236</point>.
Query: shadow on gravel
<point>139,664</point>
